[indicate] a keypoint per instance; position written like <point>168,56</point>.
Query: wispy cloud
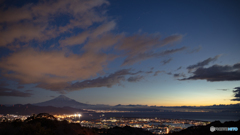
<point>179,75</point>
<point>102,43</point>
<point>138,47</point>
<point>179,68</point>
<point>149,72</point>
<point>74,40</point>
<point>147,55</point>
<point>195,50</point>
<point>203,63</point>
<point>223,89</point>
<point>166,61</point>
<point>135,78</point>
<point>14,93</point>
<point>107,81</point>
<point>236,94</point>
<point>157,72</point>
<point>92,35</point>
<point>20,87</point>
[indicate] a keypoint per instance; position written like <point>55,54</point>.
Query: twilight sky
<point>150,52</point>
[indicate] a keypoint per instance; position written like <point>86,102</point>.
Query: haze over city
<point>158,52</point>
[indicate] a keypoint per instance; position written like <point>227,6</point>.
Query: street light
<point>79,115</point>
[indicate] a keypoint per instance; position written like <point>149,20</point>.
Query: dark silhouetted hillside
<point>126,131</point>
<point>45,124</point>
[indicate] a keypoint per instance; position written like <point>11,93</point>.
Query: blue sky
<point>167,53</point>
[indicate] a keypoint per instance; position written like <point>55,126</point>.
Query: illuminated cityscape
<point>154,125</point>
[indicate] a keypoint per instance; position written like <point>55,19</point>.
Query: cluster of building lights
<point>144,123</point>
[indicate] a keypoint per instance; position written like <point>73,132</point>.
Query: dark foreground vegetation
<point>205,130</point>
<point>45,124</point>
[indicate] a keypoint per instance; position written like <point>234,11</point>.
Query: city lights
<point>154,125</point>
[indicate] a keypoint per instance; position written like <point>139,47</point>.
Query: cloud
<point>102,43</point>
<point>166,61</point>
<point>14,14</point>
<point>203,63</point>
<point>157,72</point>
<point>135,78</point>
<point>179,68</point>
<point>28,90</point>
<point>2,84</point>
<point>94,34</point>
<point>74,40</point>
<point>171,39</point>
<point>36,21</point>
<point>144,56</point>
<point>23,33</point>
<point>217,73</point>
<point>136,44</point>
<point>169,73</point>
<point>237,94</point>
<point>20,87</point>
<point>106,81</point>
<point>104,28</point>
<point>179,75</point>
<point>167,52</point>
<point>58,87</point>
<point>33,66</point>
<point>13,93</point>
<point>139,46</point>
<point>195,50</point>
<point>223,89</point>
<point>149,72</point>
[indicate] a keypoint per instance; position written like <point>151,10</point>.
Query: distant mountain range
<point>63,101</point>
<point>65,105</point>
<point>29,109</point>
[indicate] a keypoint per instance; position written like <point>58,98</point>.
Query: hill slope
<point>62,101</point>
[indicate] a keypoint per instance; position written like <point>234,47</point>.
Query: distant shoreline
<point>198,116</point>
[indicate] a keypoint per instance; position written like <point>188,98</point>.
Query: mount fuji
<point>63,101</point>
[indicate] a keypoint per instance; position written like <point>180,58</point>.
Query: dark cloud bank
<point>107,81</point>
<point>236,94</point>
<point>217,73</point>
<point>14,93</point>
